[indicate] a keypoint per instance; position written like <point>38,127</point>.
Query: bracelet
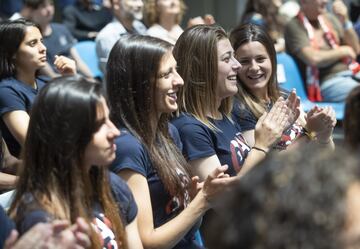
<point>259,149</point>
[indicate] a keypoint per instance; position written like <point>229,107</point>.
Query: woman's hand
<point>321,121</point>
<point>293,104</point>
<point>217,183</point>
<point>65,65</point>
<point>270,126</point>
<point>52,235</point>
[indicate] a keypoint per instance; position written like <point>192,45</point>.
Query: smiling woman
<point>207,129</point>
<point>259,90</point>
<point>142,85</point>
<point>22,54</point>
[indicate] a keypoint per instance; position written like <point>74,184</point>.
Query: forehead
<point>224,46</point>
<point>251,48</point>
<point>167,60</point>
<point>32,32</point>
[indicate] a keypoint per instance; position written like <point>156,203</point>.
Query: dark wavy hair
<point>293,200</point>
<point>250,33</point>
<point>64,118</point>
<point>12,33</point>
<point>132,73</point>
<point>352,119</point>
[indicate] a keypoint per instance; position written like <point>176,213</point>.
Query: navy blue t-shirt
<point>199,141</point>
<point>15,96</point>
<point>29,214</point>
<point>6,225</point>
<point>132,155</point>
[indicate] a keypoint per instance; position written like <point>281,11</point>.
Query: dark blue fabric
<point>15,96</point>
<point>199,141</point>
<point>6,225</point>
<point>29,213</point>
<point>132,155</point>
<point>59,42</point>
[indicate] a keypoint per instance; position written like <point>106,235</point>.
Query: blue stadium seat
<point>289,77</point>
<point>87,52</point>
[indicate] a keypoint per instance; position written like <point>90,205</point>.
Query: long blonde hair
<point>197,58</point>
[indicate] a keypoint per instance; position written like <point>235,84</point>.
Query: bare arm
<point>323,58</point>
<point>350,37</point>
<point>17,123</point>
<point>170,233</point>
<point>7,181</point>
<point>132,235</point>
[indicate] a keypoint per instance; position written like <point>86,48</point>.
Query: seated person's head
<point>41,11</point>
<point>128,9</point>
<point>308,199</point>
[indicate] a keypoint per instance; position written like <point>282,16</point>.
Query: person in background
<point>163,18</point>
<point>57,38</point>
<point>85,19</point>
<point>325,47</point>
<point>266,14</point>
<point>127,20</point>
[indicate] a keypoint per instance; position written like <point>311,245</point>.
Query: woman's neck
<point>167,21</point>
<point>262,95</point>
<point>27,78</point>
<point>217,114</point>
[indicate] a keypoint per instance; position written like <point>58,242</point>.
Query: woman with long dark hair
<point>259,90</point>
<point>142,85</point>
<point>22,54</point>
<point>69,143</point>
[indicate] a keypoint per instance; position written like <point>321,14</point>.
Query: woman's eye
<point>260,59</point>
<point>32,43</point>
<point>227,59</point>
<point>243,62</point>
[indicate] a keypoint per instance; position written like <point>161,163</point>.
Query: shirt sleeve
<point>130,154</point>
<point>6,226</point>
<point>10,100</point>
<point>244,117</point>
<point>197,141</point>
<point>124,198</point>
<point>31,219</point>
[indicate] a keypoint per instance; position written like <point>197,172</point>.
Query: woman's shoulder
<point>185,119</point>
<point>128,142</point>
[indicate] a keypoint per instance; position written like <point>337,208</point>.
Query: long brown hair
<point>132,72</point>
<point>196,54</point>
<point>63,120</point>
<point>249,33</point>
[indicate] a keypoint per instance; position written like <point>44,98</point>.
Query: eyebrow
<point>227,53</point>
